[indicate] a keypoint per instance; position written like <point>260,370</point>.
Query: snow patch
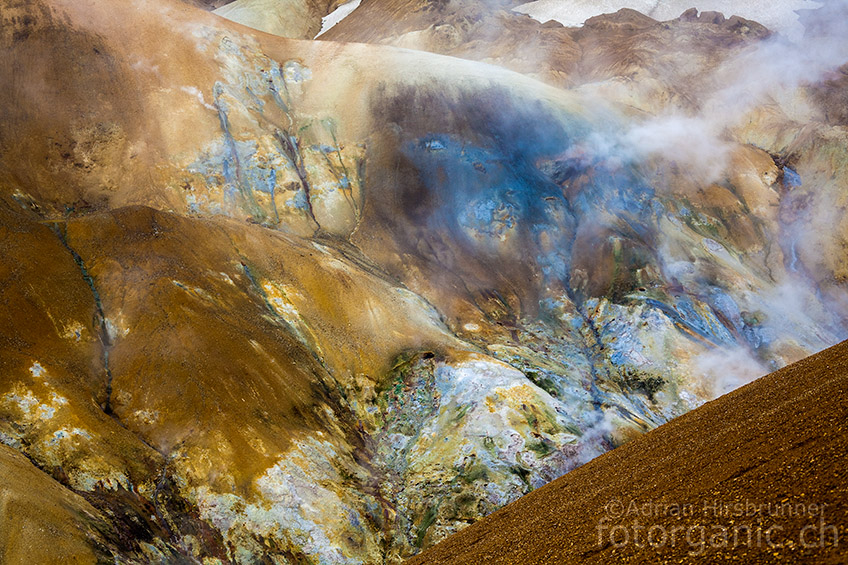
<point>337,15</point>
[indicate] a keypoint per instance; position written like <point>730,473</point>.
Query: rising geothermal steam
<point>770,70</point>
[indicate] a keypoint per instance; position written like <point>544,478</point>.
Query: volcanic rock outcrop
<point>312,301</point>
<point>757,476</point>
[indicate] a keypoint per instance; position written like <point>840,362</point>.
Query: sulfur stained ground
<point>777,447</point>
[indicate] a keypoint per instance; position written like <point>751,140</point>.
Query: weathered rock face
<point>308,301</point>
<point>780,16</point>
<point>625,47</point>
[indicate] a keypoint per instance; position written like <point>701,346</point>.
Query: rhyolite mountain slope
<point>331,302</point>
<point>297,19</point>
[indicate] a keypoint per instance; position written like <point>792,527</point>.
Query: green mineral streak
<point>426,522</point>
<point>540,448</point>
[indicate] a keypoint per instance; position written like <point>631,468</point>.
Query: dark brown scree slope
<point>777,447</point>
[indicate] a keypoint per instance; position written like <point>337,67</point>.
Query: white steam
<point>726,369</point>
<point>794,308</point>
<point>693,142</point>
<point>594,440</point>
<point>766,71</point>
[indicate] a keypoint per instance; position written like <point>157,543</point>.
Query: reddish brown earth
<point>780,441</point>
